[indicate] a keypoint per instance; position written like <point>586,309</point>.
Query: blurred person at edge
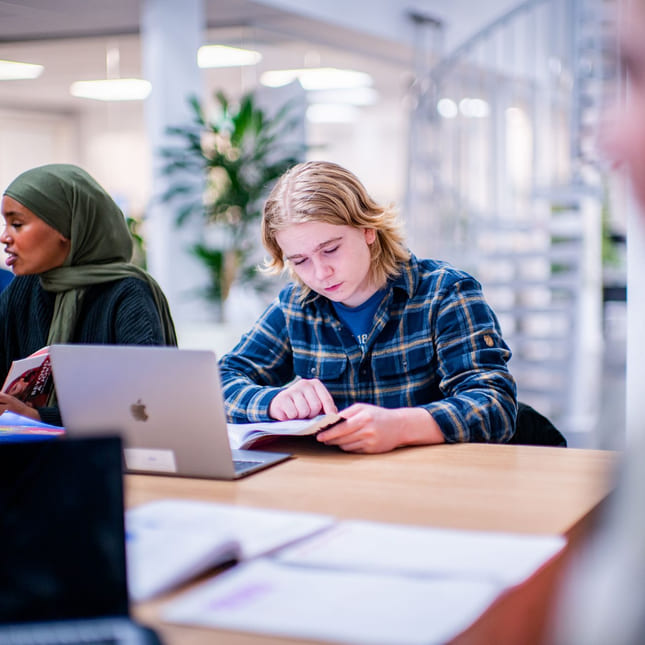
<point>602,599</point>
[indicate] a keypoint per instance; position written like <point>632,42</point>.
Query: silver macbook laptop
<point>166,402</point>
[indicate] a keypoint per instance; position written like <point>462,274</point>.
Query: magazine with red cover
<point>30,379</point>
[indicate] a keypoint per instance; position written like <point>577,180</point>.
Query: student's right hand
<point>303,399</point>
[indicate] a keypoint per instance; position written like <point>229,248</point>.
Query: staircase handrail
<point>446,63</point>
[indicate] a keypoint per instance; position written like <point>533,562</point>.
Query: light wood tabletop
<point>522,489</point>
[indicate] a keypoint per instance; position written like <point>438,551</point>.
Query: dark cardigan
<point>121,312</point>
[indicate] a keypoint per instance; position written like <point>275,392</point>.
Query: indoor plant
<point>240,152</point>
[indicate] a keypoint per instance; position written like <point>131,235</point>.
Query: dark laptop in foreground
<point>166,402</point>
<point>63,565</point>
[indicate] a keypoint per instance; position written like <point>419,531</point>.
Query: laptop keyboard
<point>243,464</point>
<point>67,634</point>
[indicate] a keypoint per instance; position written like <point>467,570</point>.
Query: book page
<point>154,568</point>
<point>506,558</point>
<point>269,597</point>
<point>245,435</point>
<point>202,535</point>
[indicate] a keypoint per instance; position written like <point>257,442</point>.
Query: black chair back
<point>534,429</point>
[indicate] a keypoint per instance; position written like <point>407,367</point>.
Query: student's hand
<point>12,404</point>
<point>372,429</point>
<point>303,399</point>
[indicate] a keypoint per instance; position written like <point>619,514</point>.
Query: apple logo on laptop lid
<point>138,411</point>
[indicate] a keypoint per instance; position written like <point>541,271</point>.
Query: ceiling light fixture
<point>352,96</point>
<point>332,113</point>
<point>112,89</point>
<point>14,71</point>
<point>224,56</point>
<point>447,108</point>
<point>474,108</point>
<point>317,78</point>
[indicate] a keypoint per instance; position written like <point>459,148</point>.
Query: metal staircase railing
<point>503,181</point>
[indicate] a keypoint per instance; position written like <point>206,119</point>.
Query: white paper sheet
<point>172,540</point>
<point>507,558</point>
<point>268,597</point>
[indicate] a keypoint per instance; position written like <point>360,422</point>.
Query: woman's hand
<point>12,404</point>
<point>371,429</point>
<point>303,399</point>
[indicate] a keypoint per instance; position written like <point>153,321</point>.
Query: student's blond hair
<point>321,191</point>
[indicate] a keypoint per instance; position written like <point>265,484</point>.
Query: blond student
<point>407,349</point>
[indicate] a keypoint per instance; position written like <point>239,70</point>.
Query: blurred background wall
<point>477,119</point>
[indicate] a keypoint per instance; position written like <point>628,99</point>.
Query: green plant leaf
<point>240,153</point>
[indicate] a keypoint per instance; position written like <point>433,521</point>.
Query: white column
<point>588,343</point>
<point>635,386</point>
<point>171,33</point>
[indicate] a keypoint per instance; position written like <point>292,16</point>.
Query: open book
<point>251,435</point>
<point>170,541</point>
<point>30,379</point>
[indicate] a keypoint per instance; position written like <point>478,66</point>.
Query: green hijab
<point>70,201</point>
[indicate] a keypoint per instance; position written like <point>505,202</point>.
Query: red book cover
<point>30,379</point>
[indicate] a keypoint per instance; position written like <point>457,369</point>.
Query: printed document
<point>270,597</point>
<point>171,541</point>
<point>505,558</point>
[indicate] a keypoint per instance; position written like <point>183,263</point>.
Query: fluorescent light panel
<point>474,108</point>
<point>317,78</point>
<point>447,108</point>
<point>224,56</point>
<point>112,89</point>
<point>332,113</point>
<point>351,96</point>
<point>469,107</point>
<point>14,71</point>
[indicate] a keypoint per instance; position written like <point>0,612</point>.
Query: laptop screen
<point>62,530</point>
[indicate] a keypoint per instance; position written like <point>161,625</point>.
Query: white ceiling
<point>39,19</point>
<point>71,38</point>
<point>43,19</point>
<point>72,42</point>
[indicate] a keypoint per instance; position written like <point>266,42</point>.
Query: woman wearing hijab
<point>69,247</point>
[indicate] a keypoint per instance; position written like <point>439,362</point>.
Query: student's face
<point>17,387</point>
<point>32,246</point>
<point>624,137</point>
<point>331,260</point>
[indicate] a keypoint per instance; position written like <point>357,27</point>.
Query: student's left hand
<point>12,404</point>
<point>372,429</point>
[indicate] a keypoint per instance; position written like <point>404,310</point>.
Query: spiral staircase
<point>504,181</point>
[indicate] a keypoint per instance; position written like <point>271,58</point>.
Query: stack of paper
<point>368,582</point>
<point>267,597</point>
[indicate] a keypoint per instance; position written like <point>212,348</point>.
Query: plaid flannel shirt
<point>435,343</point>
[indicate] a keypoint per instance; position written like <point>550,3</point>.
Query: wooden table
<point>523,489</point>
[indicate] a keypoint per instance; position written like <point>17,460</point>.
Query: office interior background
<point>479,120</point>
